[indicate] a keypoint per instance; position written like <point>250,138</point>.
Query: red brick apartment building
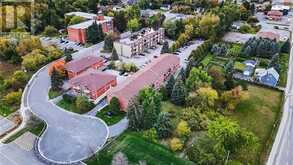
<point>153,75</point>
<point>76,67</point>
<point>93,84</point>
<point>77,32</point>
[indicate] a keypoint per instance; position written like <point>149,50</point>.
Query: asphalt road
<point>282,151</point>
<point>69,137</point>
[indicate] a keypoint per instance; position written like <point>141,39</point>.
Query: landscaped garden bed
<point>79,104</point>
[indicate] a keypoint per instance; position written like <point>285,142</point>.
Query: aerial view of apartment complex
<point>146,82</point>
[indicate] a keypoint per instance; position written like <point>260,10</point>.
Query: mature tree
<point>68,57</point>
<point>173,28</point>
<point>164,93</point>
<point>28,44</point>
<point>150,99</point>
<point>165,48</point>
<point>56,80</point>
<point>230,137</point>
<point>108,43</point>
<point>120,21</point>
<point>50,31</point>
<point>286,47</point>
<point>76,20</point>
<point>203,152</point>
<point>83,103</point>
<point>13,98</point>
<point>164,125</point>
<point>195,119</point>
<point>135,116</point>
<point>178,93</point>
<point>95,33</point>
<point>207,25</point>
<point>19,79</point>
<point>7,51</point>
<point>133,25</point>
<point>119,159</point>
<point>197,78</point>
<point>208,96</point>
<point>132,12</point>
<point>114,105</point>
<point>53,53</point>
<point>34,60</point>
<point>114,56</point>
<point>182,75</point>
<point>92,6</point>
<point>170,85</point>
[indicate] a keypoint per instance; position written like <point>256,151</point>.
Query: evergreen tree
<point>135,115</point>
<point>114,105</point>
<point>56,80</point>
<point>92,6</point>
<point>182,75</point>
<point>95,33</point>
<point>108,43</point>
<point>286,47</point>
<point>114,55</point>
<point>178,93</point>
<point>165,48</point>
<point>68,56</point>
<point>120,21</point>
<point>164,125</point>
<point>170,85</point>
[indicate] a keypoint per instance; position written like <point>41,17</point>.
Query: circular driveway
<point>69,137</point>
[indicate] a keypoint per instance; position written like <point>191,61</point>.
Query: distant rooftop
<point>86,24</point>
<point>82,63</point>
<point>82,14</point>
<point>137,35</point>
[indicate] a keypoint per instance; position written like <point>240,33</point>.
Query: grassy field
<point>69,106</point>
<point>53,94</point>
<point>137,148</point>
<point>110,120</point>
<point>259,114</point>
<point>284,62</point>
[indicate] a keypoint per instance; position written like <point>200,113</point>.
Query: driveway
<point>69,137</point>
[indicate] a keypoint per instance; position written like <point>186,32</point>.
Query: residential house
<point>153,75</point>
<point>77,32</point>
<point>76,67</point>
<point>93,84</point>
<point>268,77</point>
<point>274,15</point>
<point>249,67</point>
<point>139,42</point>
<point>269,35</point>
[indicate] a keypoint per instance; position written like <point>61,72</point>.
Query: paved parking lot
<point>62,45</point>
<point>19,152</point>
<point>5,125</point>
<point>236,37</point>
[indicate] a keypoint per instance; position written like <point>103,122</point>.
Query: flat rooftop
<point>137,35</point>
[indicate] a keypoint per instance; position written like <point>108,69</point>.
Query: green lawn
<point>137,148</point>
<point>284,62</point>
<point>110,120</point>
<point>53,94</point>
<point>259,114</point>
<point>34,128</point>
<point>5,110</point>
<point>70,106</point>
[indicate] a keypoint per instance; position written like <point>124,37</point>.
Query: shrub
<point>175,144</point>
<point>13,98</point>
<point>50,31</point>
<point>69,98</point>
<point>183,129</point>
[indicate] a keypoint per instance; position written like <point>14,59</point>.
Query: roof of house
<point>268,35</point>
<point>269,76</point>
<point>250,62</point>
<point>92,81</point>
<point>86,24</point>
<point>275,13</point>
<point>82,14</point>
<point>145,77</point>
<point>82,63</point>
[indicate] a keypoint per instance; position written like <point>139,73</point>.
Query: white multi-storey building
<point>139,41</point>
